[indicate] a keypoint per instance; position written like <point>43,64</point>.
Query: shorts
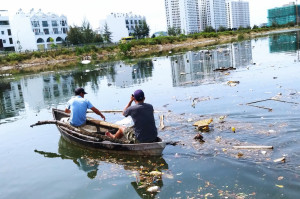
<point>130,135</point>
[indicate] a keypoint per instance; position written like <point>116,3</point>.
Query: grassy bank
<point>66,57</point>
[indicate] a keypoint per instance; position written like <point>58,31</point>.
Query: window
<point>40,40</point>
<point>35,24</point>
<point>46,31</point>
<point>10,41</point>
<point>55,30</point>
<point>4,22</point>
<point>64,30</point>
<point>45,23</point>
<point>127,22</point>
<point>2,32</point>
<point>36,31</point>
<point>8,31</point>
<point>4,41</point>
<point>54,23</point>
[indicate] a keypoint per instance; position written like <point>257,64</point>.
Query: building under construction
<point>289,13</point>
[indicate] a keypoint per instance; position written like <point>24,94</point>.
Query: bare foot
<point>108,134</point>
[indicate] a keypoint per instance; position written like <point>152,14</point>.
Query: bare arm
<point>98,112</point>
<point>129,104</point>
<point>67,110</point>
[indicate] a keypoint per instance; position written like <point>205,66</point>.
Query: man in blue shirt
<point>77,107</point>
<point>144,129</point>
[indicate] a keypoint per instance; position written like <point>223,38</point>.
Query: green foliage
<point>83,34</point>
<point>14,57</point>
<point>209,29</point>
<point>241,37</point>
<point>79,51</point>
<point>141,31</point>
<point>88,35</point>
<point>172,31</point>
<point>125,48</point>
<point>255,27</point>
<point>107,34</point>
<point>75,35</point>
<point>222,29</point>
<point>37,54</point>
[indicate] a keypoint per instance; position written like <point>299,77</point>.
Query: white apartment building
<point>212,13</point>
<point>183,15</point>
<point>6,38</point>
<point>238,14</point>
<point>121,24</point>
<point>38,30</point>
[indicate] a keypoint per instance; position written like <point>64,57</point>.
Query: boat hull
<point>153,148</point>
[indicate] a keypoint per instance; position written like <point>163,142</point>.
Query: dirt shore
<point>40,64</point>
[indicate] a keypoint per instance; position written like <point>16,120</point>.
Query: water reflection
<point>197,66</point>
<point>50,89</point>
<point>130,74</point>
<point>289,42</point>
<point>11,99</point>
<point>148,170</point>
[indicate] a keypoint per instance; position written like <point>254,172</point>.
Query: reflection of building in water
<point>129,75</point>
<point>43,91</point>
<point>200,65</point>
<point>37,92</point>
<point>11,99</point>
<point>284,42</point>
<point>47,90</point>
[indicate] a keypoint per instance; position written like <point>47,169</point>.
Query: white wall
<point>22,31</point>
<point>116,26</point>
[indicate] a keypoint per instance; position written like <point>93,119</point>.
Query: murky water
<point>261,102</point>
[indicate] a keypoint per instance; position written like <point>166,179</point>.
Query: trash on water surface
<point>233,83</point>
<point>282,159</point>
<point>203,124</point>
<point>153,189</point>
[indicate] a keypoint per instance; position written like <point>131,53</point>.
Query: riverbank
<point>137,51</point>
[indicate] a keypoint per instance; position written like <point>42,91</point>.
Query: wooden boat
<point>97,140</point>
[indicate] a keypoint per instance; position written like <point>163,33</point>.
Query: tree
<point>98,38</point>
<point>141,31</point>
<point>178,31</point>
<point>255,27</point>
<point>209,29</point>
<point>145,29</point>
<point>171,31</point>
<point>88,34</point>
<point>137,32</point>
<point>222,29</point>
<point>75,35</point>
<point>107,34</point>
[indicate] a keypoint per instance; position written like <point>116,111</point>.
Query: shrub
<point>241,37</point>
<point>125,48</point>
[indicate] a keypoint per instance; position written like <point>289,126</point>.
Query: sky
<point>95,10</point>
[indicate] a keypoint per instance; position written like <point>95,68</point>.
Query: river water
<point>261,103</point>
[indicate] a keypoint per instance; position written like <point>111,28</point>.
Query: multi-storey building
<point>183,15</point>
<point>285,14</point>
<point>122,24</point>
<point>212,13</point>
<point>38,30</point>
<point>238,14</point>
<point>6,39</point>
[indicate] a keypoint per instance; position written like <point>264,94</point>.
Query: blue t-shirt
<point>144,123</point>
<point>78,107</point>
